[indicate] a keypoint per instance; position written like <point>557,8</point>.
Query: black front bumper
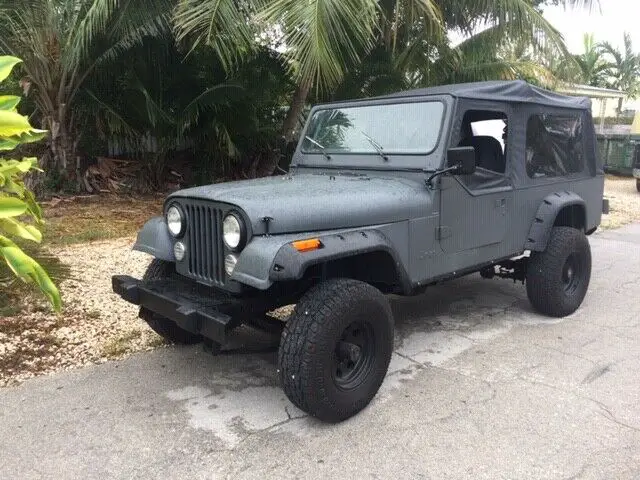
<point>193,307</point>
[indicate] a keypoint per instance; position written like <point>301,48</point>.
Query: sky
<point>607,23</point>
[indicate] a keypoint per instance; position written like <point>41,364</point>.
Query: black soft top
<point>517,91</point>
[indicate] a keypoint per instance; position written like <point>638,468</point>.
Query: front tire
<point>638,185</point>
<point>167,329</point>
<point>558,278</point>
<point>336,348</point>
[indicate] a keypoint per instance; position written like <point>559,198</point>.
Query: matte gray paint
<point>435,233</point>
<point>316,202</point>
<point>292,264</point>
<point>545,217</point>
<point>256,263</point>
<point>155,239</point>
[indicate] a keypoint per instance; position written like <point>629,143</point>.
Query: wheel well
<point>571,216</point>
<point>377,268</point>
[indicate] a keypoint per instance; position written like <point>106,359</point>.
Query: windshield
<point>404,128</point>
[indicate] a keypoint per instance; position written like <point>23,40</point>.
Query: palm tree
<point>63,43</point>
<point>327,40</point>
<point>623,69</point>
<point>592,63</point>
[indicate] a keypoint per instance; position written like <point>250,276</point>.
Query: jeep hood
<point>314,202</point>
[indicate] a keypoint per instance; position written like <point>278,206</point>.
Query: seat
<point>489,153</point>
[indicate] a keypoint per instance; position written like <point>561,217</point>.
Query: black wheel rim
<point>353,356</point>
<point>571,274</point>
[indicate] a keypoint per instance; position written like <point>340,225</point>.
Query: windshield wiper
<point>320,146</point>
<point>376,145</point>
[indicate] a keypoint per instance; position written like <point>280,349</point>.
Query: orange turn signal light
<point>307,245</point>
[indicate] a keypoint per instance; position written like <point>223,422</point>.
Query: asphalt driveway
<point>479,387</point>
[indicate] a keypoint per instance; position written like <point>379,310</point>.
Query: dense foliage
<point>223,84</point>
<point>16,201</point>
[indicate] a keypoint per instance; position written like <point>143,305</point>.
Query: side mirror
<point>463,159</point>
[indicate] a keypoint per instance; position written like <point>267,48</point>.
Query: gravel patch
<point>624,202</point>
<point>95,326</point>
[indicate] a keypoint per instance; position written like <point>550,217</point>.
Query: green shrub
<point>20,214</point>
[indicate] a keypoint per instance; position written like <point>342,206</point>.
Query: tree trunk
<point>63,145</point>
<point>297,105</point>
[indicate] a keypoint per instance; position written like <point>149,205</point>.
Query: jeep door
<point>474,209</point>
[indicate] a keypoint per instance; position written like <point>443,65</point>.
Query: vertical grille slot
<point>204,238</point>
<point>218,243</point>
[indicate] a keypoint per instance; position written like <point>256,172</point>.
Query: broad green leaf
<point>19,229</point>
<point>9,102</point>
<point>27,163</point>
<point>13,167</point>
<point>12,123</point>
<point>33,206</point>
<point>11,142</point>
<point>7,144</point>
<point>34,135</point>
<point>28,270</point>
<point>6,65</point>
<point>11,186</point>
<point>11,207</point>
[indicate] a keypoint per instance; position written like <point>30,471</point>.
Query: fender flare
<point>154,239</point>
<point>546,216</point>
<point>290,264</point>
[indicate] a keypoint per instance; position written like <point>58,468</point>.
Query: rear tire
<point>336,348</point>
<point>167,329</point>
<point>638,185</point>
<point>558,278</point>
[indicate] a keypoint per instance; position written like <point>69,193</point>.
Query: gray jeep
<point>384,196</point>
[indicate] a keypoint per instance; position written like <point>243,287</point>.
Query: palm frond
<point>324,37</point>
<point>223,25</point>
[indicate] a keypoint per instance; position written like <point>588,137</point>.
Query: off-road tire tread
<point>544,283</point>
<point>167,329</point>
<point>315,312</point>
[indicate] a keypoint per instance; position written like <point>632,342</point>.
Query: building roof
<point>517,91</point>
<point>591,92</point>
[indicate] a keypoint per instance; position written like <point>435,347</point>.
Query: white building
<point>604,100</point>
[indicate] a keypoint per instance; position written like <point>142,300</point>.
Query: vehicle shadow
<point>238,392</point>
<point>459,305</point>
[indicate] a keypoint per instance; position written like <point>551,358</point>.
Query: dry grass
<point>129,342</point>
<point>74,220</point>
<point>624,202</point>
<point>87,219</point>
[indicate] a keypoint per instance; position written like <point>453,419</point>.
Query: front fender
<point>154,239</point>
<point>272,259</point>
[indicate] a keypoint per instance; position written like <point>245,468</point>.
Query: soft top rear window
<point>555,145</point>
<point>402,128</point>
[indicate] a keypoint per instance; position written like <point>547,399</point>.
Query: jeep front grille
<point>205,254</point>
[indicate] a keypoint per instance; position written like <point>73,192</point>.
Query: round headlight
<point>175,221</point>
<point>233,231</point>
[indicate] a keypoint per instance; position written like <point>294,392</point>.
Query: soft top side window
<point>555,145</point>
<point>486,131</point>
